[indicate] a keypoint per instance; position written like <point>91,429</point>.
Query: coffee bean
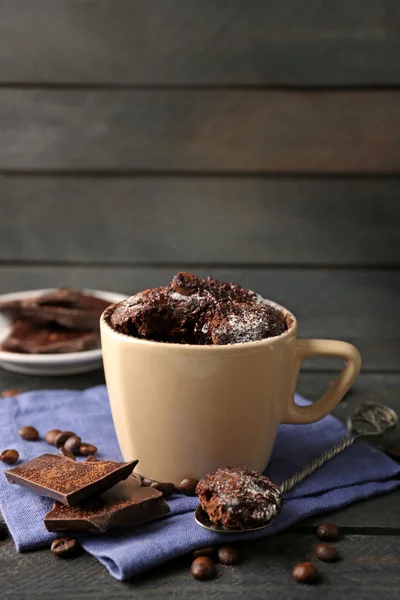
<point>9,456</point>
<point>65,452</point>
<point>87,449</point>
<point>167,489</point>
<point>3,531</point>
<point>51,435</point>
<point>326,552</point>
<point>73,443</point>
<point>393,450</point>
<point>28,433</point>
<point>9,392</point>
<point>188,487</point>
<point>202,568</point>
<point>137,477</point>
<point>228,555</point>
<point>305,573</point>
<point>209,552</point>
<point>146,482</point>
<point>65,547</point>
<point>328,531</point>
<point>62,437</point>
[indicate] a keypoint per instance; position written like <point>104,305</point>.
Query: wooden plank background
<point>147,220</point>
<point>201,42</point>
<point>257,144</point>
<point>241,131</point>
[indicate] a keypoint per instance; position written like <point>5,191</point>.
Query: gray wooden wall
<point>256,141</point>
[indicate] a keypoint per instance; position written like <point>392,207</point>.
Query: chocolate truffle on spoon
<point>233,500</point>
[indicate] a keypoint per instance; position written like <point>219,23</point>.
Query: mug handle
<point>318,410</point>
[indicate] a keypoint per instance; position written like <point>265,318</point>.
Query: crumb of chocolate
<point>198,311</point>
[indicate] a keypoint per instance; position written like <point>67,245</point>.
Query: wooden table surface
<point>370,544</point>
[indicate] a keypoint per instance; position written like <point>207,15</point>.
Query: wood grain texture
<point>200,131</point>
<point>357,306</point>
<point>310,42</point>
<point>213,220</point>
<point>369,569</point>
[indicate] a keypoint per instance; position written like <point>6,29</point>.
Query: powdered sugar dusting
<point>199,311</point>
<point>239,498</point>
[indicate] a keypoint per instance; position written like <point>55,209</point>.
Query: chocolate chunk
<point>127,504</point>
<point>9,456</point>
<point>67,308</point>
<point>30,339</point>
<point>28,433</point>
<point>67,481</point>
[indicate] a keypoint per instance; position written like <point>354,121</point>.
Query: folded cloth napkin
<point>360,472</point>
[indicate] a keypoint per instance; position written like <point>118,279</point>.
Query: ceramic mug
<point>185,410</point>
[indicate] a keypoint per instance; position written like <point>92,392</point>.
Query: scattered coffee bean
<point>393,450</point>
<point>326,552</point>
<point>3,531</point>
<point>167,489</point>
<point>228,555</point>
<point>73,444</point>
<point>28,433</point>
<point>65,452</point>
<point>209,552</point>
<point>87,449</point>
<point>62,437</point>
<point>188,487</point>
<point>305,573</point>
<point>9,392</point>
<point>202,568</point>
<point>51,435</point>
<point>65,547</point>
<point>9,456</point>
<point>328,531</point>
<point>146,482</point>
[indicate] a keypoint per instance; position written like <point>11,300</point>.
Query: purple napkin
<point>360,472</point>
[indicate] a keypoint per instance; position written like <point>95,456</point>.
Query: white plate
<point>50,364</point>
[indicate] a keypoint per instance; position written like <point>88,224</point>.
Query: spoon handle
<point>288,484</point>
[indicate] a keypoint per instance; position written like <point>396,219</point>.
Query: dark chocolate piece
<point>197,311</point>
<point>67,481</point>
<point>30,339</point>
<point>68,308</point>
<point>127,504</point>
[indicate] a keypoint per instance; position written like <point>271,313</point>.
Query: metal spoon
<point>369,419</point>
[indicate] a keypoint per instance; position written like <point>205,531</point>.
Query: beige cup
<point>185,410</point>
